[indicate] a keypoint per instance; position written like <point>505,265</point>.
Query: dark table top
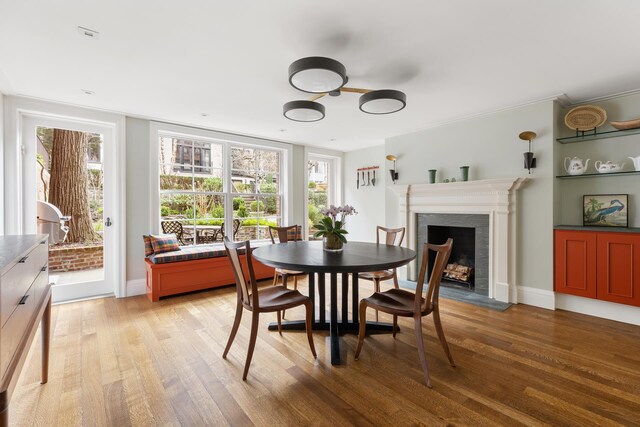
<point>356,257</point>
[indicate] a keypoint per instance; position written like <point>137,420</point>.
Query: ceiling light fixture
<point>317,74</point>
<point>303,111</point>
<point>383,101</point>
<point>88,92</point>
<point>325,76</point>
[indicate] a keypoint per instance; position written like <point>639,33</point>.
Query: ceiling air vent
<point>88,33</point>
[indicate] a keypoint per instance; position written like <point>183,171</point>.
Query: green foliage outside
<point>312,185</point>
<point>242,212</point>
<point>237,202</point>
<point>256,206</point>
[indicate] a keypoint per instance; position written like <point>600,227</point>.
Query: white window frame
<point>334,159</point>
<point>228,141</point>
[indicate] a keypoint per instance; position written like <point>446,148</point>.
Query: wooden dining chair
<point>286,234</point>
<point>399,302</point>
<point>256,301</point>
<point>393,236</point>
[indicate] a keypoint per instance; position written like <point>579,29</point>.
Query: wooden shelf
<point>600,135</point>
<point>598,174</point>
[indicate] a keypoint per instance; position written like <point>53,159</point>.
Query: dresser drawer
<point>15,328</point>
<point>17,280</point>
<point>40,284</point>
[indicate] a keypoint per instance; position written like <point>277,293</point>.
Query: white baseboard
<point>136,287</point>
<point>598,308</point>
<point>537,297</point>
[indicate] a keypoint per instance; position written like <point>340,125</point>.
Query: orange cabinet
<point>594,264</point>
<point>575,263</point>
<point>618,259</point>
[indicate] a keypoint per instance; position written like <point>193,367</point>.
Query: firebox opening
<point>461,265</point>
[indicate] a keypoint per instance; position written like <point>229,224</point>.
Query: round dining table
<point>356,257</point>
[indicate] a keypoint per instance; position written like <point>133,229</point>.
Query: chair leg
<point>363,327</point>
<point>377,289</point>
<point>285,279</point>
<point>252,343</point>
<point>395,280</point>
<point>421,352</point>
<point>234,329</point>
<point>395,325</point>
<point>275,279</point>
<point>279,322</point>
<point>308,325</point>
<point>295,282</point>
<point>440,331</point>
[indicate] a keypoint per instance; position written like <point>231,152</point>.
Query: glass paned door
<point>66,185</point>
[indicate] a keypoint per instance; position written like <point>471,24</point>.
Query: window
<point>210,188</point>
<point>255,181</point>
<point>320,194</point>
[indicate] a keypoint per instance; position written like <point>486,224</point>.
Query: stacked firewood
<point>458,272</point>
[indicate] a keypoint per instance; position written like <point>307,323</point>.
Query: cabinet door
<point>619,268</point>
<point>575,263</point>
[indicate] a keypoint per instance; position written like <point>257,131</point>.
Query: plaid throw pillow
<point>295,234</point>
<point>148,248</point>
<point>164,243</point>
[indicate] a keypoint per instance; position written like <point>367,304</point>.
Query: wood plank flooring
<point>132,362</point>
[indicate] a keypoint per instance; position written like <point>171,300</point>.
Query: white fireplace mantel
<point>493,197</point>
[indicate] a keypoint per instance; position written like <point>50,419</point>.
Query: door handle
<point>23,259</point>
<point>108,222</point>
<point>23,300</point>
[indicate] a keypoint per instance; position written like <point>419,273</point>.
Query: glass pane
<point>268,161</point>
<point>215,156</point>
<point>176,206</point>
<point>176,177</point>
<point>242,182</point>
<point>243,159</point>
<point>209,218</point>
<point>208,180</point>
<point>268,183</point>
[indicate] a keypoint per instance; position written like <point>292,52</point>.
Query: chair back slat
<point>245,285</point>
<point>291,233</point>
<point>173,227</point>
<point>442,257</point>
<point>391,235</point>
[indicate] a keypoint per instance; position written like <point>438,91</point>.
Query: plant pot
<point>332,243</point>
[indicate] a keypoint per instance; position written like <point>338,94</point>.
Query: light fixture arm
<point>342,89</point>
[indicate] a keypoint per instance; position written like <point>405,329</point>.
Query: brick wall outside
<point>75,257</point>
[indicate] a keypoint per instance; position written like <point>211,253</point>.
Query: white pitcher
<point>636,162</point>
<point>575,165</point>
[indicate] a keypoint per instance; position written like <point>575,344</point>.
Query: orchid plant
<point>330,225</point>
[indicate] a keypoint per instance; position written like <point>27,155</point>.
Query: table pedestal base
<point>334,327</point>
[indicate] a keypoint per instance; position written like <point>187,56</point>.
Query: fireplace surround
<point>495,198</point>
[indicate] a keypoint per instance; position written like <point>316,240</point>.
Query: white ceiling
<point>172,60</point>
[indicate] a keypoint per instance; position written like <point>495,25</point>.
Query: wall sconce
<point>529,160</point>
<point>393,172</point>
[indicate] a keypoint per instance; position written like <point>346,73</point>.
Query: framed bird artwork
<point>605,210</point>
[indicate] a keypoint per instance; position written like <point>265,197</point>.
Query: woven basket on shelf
<point>585,117</point>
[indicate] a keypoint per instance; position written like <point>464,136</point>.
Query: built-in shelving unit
<point>598,174</point>
<point>600,135</point>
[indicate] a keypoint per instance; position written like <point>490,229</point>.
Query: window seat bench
<point>194,268</point>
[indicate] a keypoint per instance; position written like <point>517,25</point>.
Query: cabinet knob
<point>23,300</point>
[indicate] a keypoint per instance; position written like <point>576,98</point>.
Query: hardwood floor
<point>132,362</point>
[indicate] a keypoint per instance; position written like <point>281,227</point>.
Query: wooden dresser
<point>25,301</point>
